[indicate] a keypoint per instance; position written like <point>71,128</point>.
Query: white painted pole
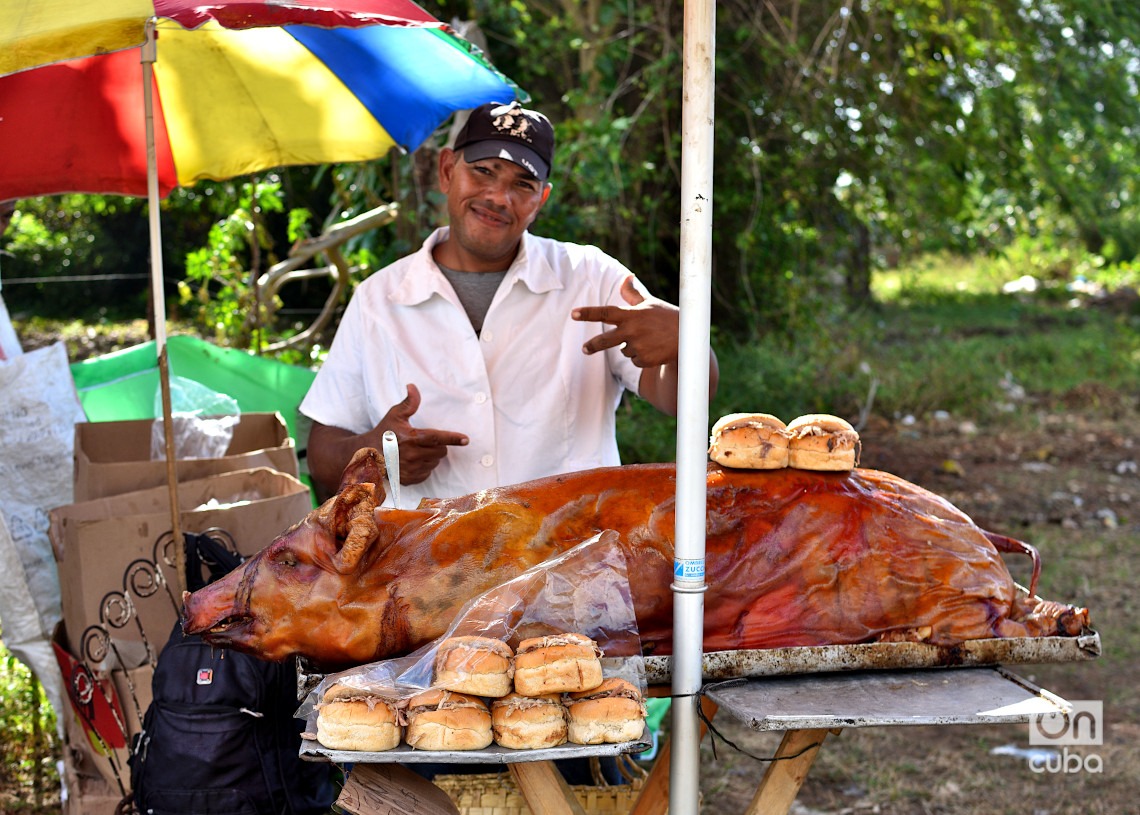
<point>692,408</point>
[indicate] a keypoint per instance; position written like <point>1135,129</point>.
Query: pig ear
<point>353,522</point>
<point>366,467</point>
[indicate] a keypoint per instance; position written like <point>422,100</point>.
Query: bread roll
<point>614,712</point>
<point>528,722</point>
<point>442,720</point>
<point>353,719</point>
<point>557,663</point>
<point>753,441</point>
<point>820,441</point>
<point>478,665</point>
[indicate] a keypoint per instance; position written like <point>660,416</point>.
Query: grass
<point>1100,568</point>
<point>942,336</point>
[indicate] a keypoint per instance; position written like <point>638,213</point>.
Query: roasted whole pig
<point>793,558</point>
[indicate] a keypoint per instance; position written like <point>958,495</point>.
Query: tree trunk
<point>859,267</point>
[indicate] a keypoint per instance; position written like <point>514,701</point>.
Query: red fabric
<point>91,112</point>
<point>253,13</point>
<point>99,713</point>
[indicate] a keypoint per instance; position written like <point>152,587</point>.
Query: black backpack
<point>219,737</point>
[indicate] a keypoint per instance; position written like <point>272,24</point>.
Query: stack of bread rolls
<point>442,720</point>
<point>479,665</point>
<point>614,712</point>
<point>761,441</point>
<point>359,719</point>
<point>551,692</point>
<point>557,664</point>
<point>528,722</point>
<point>595,710</point>
<point>751,441</point>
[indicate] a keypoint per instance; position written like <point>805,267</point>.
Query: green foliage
<point>841,130</point>
<point>219,292</point>
<point>221,277</point>
<point>81,237</point>
<point>645,435</point>
<point>847,137</point>
<point>28,747</point>
<point>1120,276</point>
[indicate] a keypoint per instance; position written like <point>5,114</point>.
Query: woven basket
<point>498,794</point>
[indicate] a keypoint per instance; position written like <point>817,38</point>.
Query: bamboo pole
<point>149,55</point>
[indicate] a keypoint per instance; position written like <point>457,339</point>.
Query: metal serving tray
<point>311,750</point>
<point>876,698</point>
<point>883,655</point>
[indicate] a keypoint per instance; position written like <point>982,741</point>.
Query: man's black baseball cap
<point>511,132</point>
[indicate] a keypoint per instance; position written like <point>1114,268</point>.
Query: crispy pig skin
<point>793,558</point>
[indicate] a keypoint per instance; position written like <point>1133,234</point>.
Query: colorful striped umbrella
<point>225,88</point>
<point>235,91</point>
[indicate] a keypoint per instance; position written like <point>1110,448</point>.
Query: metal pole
<point>692,405</point>
<point>158,297</point>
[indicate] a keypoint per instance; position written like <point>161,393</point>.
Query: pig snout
<point>214,612</point>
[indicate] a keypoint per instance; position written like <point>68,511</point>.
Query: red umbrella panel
<point>233,102</point>
<point>38,32</point>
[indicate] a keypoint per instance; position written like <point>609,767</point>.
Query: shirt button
<point>485,335</point>
<point>487,461</point>
<point>480,398</point>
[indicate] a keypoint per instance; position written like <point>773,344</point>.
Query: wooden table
<point>808,708</point>
<point>378,779</point>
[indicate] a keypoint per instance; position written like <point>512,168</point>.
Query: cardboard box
<point>89,795</point>
<point>103,715</point>
<point>107,550</point>
<point>87,790</point>
<point>114,457</point>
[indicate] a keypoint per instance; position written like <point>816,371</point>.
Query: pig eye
<point>287,558</point>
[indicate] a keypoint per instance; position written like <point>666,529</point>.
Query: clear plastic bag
<point>202,421</point>
<point>584,590</point>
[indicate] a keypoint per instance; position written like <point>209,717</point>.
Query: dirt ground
<point>1068,484</point>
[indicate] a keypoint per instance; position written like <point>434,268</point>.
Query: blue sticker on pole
<point>689,569</point>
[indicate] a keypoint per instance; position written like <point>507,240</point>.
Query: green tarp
<point>124,385</point>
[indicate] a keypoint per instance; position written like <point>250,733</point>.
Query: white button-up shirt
<point>529,400</point>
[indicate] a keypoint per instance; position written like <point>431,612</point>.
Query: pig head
<point>284,591</point>
<point>792,558</point>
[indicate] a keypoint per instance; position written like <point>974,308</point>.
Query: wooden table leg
<point>654,797</point>
<point>784,778</point>
<point>545,790</point>
<point>372,789</point>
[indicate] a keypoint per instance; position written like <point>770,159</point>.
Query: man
<point>483,351</point>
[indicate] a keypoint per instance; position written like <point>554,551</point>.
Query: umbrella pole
<point>692,404</point>
<point>149,55</point>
